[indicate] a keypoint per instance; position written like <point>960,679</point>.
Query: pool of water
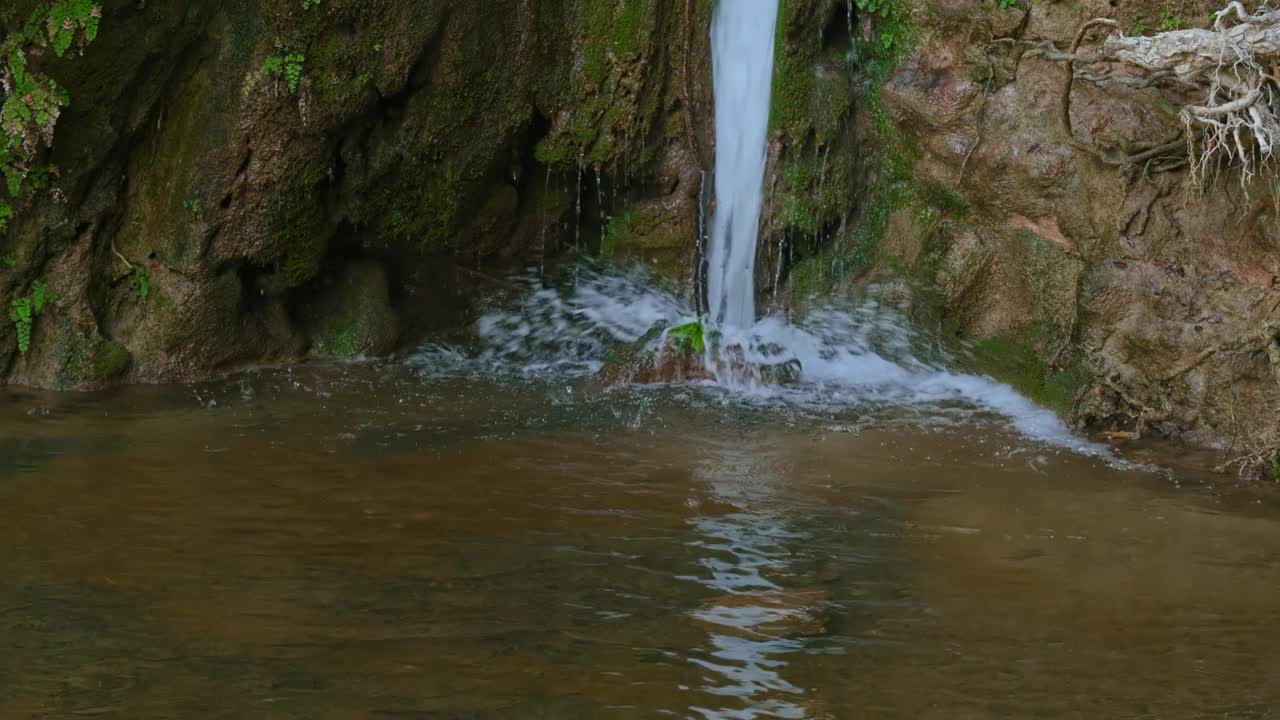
<point>362,541</point>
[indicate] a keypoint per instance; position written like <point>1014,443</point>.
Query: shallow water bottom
<point>356,542</point>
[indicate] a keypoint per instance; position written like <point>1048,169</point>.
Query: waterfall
<point>864,355</point>
<point>742,43</point>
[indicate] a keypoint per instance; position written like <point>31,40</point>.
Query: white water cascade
<point>865,357</point>
<point>742,57</point>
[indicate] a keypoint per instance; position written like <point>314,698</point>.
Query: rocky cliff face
<point>338,177</point>
<point>348,176</point>
<point>1113,291</point>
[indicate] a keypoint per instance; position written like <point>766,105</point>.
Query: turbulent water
<point>742,55</point>
<point>865,357</point>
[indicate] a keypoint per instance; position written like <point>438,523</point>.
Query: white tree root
<point>1234,66</point>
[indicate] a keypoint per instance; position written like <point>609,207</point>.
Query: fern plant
<point>890,13</point>
<point>293,70</point>
<point>23,312</point>
<point>31,102</point>
<point>21,315</point>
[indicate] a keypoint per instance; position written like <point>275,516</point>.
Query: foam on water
<point>866,356</point>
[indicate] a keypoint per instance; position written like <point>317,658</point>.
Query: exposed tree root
<point>1257,465</point>
<point>1234,66</point>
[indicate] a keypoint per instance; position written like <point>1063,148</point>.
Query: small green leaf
<point>142,283</point>
<point>62,41</point>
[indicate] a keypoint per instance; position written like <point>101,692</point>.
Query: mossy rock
<point>110,362</point>
<point>649,234</point>
<point>1017,358</point>
<point>354,316</point>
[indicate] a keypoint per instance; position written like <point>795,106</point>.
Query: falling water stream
<point>742,56</point>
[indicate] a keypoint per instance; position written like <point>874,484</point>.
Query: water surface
<point>361,541</point>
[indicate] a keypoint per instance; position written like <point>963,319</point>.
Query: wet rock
<point>353,316</point>
<point>462,136</point>
<point>641,364</point>
<point>733,363</point>
<point>679,362</point>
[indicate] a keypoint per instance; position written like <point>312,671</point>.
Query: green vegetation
<point>344,342</point>
<point>293,70</point>
<point>141,284</point>
<point>1139,27</point>
<point>1170,21</point>
<point>193,206</point>
<point>1014,358</point>
<point>287,66</point>
<point>793,78</point>
<point>812,196</point>
<point>611,111</point>
<point>892,158</point>
<point>110,361</point>
<point>308,4</point>
<point>24,310</point>
<point>31,101</point>
<point>9,260</point>
<point>689,336</point>
<point>892,20</point>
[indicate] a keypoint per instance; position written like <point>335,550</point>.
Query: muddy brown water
<point>356,542</point>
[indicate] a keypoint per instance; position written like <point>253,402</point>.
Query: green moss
<point>342,341</point>
<point>75,358</point>
<point>810,278</point>
<point>300,238</point>
<point>943,198</point>
<point>612,99</point>
<point>616,235</point>
<point>110,361</point>
<point>1017,359</point>
<point>793,77</point>
<point>645,234</point>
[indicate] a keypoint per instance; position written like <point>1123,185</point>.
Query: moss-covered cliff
<point>236,157</point>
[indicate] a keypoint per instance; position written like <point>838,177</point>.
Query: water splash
<point>864,357</point>
<point>742,38</point>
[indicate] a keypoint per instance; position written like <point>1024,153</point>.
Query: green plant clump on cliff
<point>24,310</point>
<point>30,101</point>
<point>689,336</point>
<point>889,155</point>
